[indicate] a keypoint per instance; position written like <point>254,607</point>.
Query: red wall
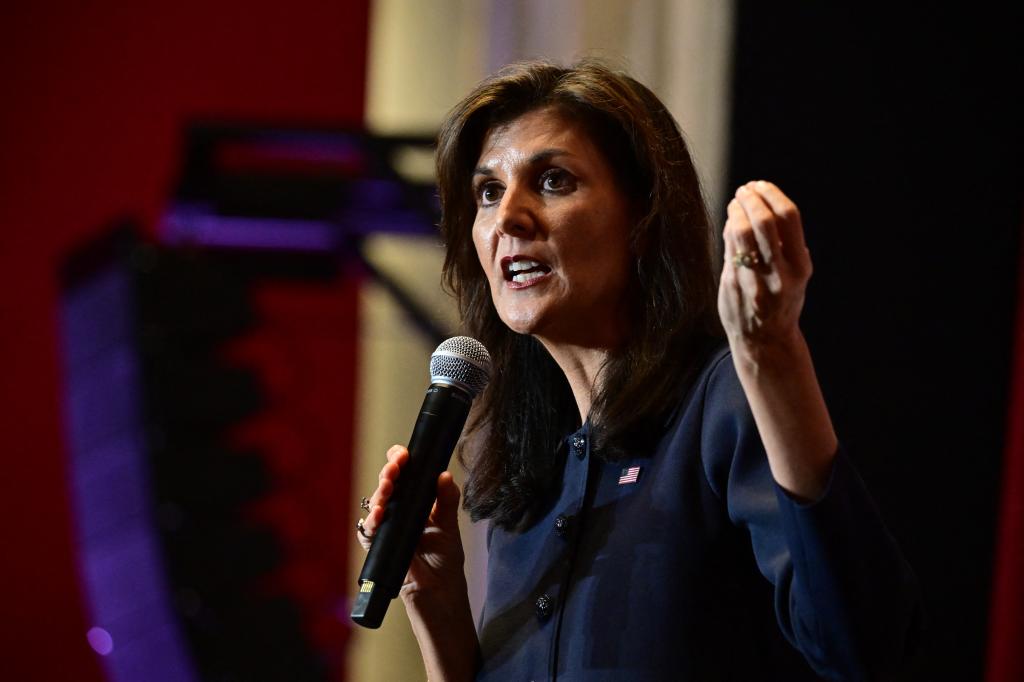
<point>94,96</point>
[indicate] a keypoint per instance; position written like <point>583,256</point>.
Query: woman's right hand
<point>437,565</point>
<point>434,592</point>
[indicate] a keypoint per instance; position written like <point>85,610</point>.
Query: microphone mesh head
<point>463,362</point>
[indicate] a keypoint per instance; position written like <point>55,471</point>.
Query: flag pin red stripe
<point>629,475</point>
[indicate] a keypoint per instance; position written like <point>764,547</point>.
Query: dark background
<point>898,133</point>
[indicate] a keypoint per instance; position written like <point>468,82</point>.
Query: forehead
<point>539,129</point>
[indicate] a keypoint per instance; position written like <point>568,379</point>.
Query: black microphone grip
<point>437,430</point>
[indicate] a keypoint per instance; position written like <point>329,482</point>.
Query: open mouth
<point>523,270</point>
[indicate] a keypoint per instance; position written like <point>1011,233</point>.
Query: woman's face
<point>552,231</point>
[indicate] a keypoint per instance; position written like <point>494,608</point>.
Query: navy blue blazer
<point>688,562</point>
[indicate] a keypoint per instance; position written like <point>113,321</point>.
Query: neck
<point>582,367</point>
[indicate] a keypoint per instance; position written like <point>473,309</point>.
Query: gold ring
<point>362,531</point>
<point>747,259</point>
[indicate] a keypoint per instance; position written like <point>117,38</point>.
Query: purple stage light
<point>100,640</point>
<point>121,565</point>
<point>295,190</point>
<point>191,228</point>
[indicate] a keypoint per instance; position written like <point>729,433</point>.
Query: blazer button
<point>544,605</point>
<point>561,525</point>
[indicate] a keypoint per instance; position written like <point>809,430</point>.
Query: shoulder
<point>717,409</point>
<point>716,391</point>
<point>724,401</point>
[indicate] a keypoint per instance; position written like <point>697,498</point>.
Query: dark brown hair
<point>528,408</point>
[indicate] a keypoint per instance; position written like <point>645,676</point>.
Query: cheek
<point>482,246</point>
<point>615,267</point>
<point>611,275</point>
<point>611,231</point>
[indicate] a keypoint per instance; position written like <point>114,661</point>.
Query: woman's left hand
<point>767,267</point>
<point>765,274</point>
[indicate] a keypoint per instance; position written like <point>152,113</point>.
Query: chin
<point>519,326</point>
<point>520,321</point>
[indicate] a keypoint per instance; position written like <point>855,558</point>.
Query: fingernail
<point>761,184</point>
<point>741,190</point>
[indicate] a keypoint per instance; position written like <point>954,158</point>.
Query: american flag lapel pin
<point>630,475</point>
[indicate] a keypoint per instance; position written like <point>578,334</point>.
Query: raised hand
<point>766,269</point>
<point>761,294</point>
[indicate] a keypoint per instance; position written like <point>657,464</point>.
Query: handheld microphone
<point>459,370</point>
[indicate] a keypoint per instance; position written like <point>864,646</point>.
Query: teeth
<point>527,276</point>
<point>518,265</point>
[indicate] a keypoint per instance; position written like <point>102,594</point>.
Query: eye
<point>489,193</point>
<point>557,180</point>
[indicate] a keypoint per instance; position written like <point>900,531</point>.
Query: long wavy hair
<point>515,448</point>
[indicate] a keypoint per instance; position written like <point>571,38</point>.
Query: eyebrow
<point>539,157</point>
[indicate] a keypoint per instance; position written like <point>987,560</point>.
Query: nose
<point>517,215</point>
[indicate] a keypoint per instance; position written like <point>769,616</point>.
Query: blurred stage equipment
<point>209,401</point>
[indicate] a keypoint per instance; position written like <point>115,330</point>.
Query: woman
<point>660,507</point>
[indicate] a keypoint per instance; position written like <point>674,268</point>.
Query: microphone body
<point>437,431</point>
